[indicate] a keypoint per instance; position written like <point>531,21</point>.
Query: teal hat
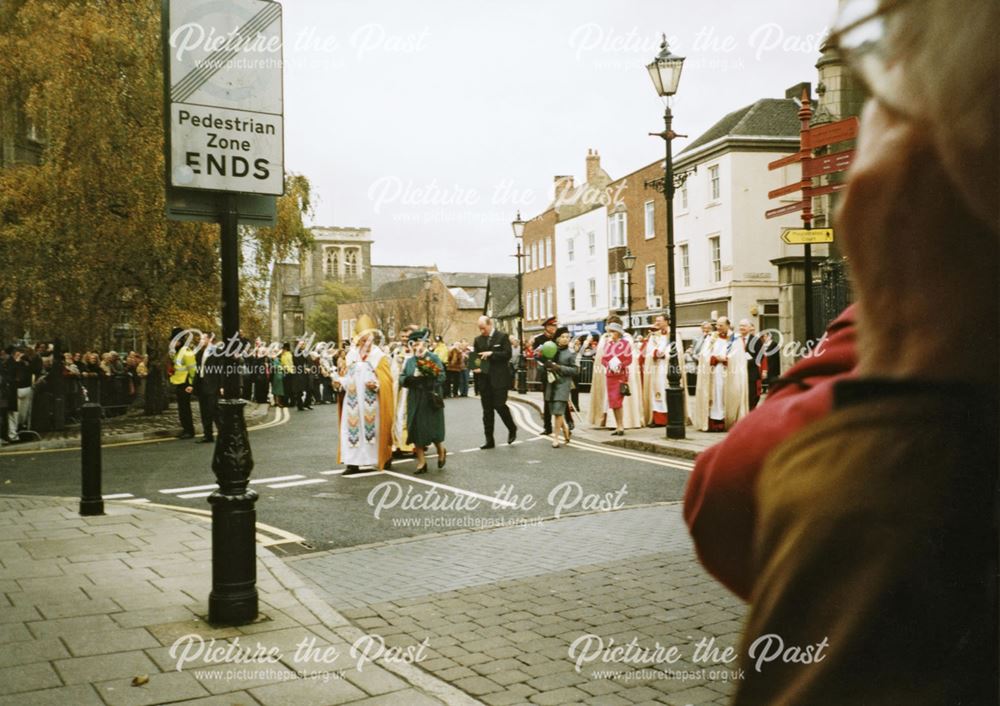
<point>420,334</point>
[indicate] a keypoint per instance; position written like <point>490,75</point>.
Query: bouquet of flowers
<point>428,368</point>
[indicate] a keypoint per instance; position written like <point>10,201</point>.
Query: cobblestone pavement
<point>110,611</point>
<point>501,608</point>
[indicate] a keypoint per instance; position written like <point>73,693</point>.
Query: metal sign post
<point>810,139</point>
<point>224,162</point>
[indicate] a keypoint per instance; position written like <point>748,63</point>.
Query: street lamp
<point>522,373</point>
<point>628,262</point>
<point>427,298</point>
<point>665,70</point>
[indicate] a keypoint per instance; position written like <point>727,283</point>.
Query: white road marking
<point>278,536</point>
<point>363,475</point>
<point>276,479</point>
<point>524,418</point>
<point>292,484</point>
<point>403,460</point>
<point>488,498</point>
<point>118,496</point>
<point>138,501</point>
<point>468,451</point>
<point>190,489</point>
<point>334,472</point>
<point>188,496</point>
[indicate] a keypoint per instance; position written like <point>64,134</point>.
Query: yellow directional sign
<point>802,236</point>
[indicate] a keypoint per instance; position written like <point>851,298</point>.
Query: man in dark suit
<point>493,351</point>
<point>208,384</point>
<point>752,345</point>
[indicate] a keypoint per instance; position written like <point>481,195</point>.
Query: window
<point>570,249</point>
<point>713,244</point>
<point>537,254</point>
<point>331,262</point>
<point>547,257</point>
<point>351,263</point>
<point>572,297</point>
<point>650,222</point>
<point>549,309</point>
<point>531,304</point>
<point>768,319</point>
<point>650,284</point>
<point>684,198</point>
<point>616,230</point>
<point>616,285</point>
<point>591,243</point>
<point>593,292</point>
<point>713,183</point>
<point>685,267</point>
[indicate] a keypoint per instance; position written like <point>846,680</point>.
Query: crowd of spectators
<point>29,387</point>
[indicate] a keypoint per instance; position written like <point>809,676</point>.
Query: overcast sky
<point>433,122</point>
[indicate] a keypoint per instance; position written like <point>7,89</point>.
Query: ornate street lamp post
<point>427,298</point>
<point>665,70</point>
<point>522,373</point>
<point>628,262</point>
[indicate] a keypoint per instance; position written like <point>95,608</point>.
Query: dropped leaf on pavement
<point>140,680</point>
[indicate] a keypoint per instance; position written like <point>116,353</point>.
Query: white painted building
<point>724,244</point>
<point>581,244</point>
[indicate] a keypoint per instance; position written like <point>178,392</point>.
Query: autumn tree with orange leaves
<point>84,241</point>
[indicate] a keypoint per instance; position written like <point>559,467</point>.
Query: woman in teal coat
<point>424,403</point>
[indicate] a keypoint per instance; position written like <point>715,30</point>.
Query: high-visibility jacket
<point>185,366</point>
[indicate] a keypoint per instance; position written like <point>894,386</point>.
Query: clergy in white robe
<point>722,396</point>
<point>368,411</point>
<point>656,360</point>
<point>400,442</point>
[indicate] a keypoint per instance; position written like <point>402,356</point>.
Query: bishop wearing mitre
<point>366,415</point>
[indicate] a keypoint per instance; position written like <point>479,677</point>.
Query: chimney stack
<point>593,166</point>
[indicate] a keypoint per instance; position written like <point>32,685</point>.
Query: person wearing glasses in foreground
<point>875,551</point>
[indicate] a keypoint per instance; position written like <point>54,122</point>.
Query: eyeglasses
<point>860,33</point>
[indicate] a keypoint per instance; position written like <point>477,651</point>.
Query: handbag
<point>624,390</point>
<point>437,402</point>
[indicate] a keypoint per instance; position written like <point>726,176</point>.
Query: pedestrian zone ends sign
<point>224,95</point>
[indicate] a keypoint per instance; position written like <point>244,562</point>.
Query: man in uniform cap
<point>549,334</point>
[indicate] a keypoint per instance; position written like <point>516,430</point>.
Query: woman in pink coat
<point>616,360</point>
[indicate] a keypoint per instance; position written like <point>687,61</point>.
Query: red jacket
<point>719,499</point>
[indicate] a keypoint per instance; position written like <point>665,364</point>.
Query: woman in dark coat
<point>424,403</point>
<point>560,371</point>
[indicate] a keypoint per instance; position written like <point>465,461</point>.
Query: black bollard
<point>91,502</point>
<point>233,600</point>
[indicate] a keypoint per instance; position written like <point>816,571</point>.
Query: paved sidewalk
<point>91,608</point>
<point>649,439</point>
<point>134,426</point>
<point>501,609</point>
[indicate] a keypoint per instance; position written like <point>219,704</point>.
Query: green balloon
<point>549,349</point>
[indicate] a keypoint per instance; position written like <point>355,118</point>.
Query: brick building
<point>637,223</point>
